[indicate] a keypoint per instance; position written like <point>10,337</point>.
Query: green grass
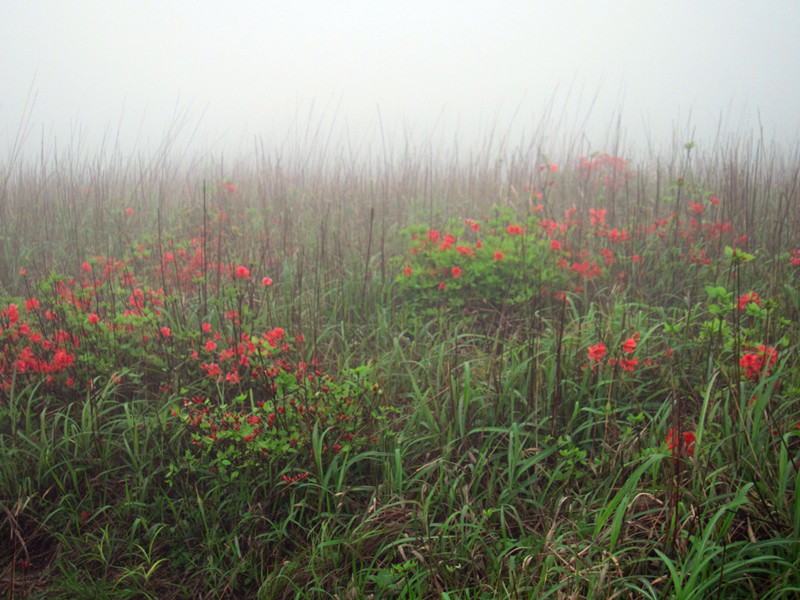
<point>505,436</point>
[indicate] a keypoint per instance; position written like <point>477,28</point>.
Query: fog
<point>363,77</point>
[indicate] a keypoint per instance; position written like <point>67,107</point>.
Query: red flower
<point>456,272</point>
<point>598,217</point>
<point>31,304</point>
<point>242,272</point>
<point>407,271</point>
<point>207,327</point>
<point>21,271</point>
<point>266,281</point>
<point>498,256</point>
<point>514,230</point>
<point>13,314</point>
<point>86,267</point>
<point>555,245</point>
<point>794,258</point>
<point>696,208</point>
<point>630,344</point>
<point>93,318</point>
<point>229,187</point>
<point>688,442</point>
<point>129,211</point>
<point>746,299</point>
<point>596,353</point>
<point>442,285</point>
<point>758,362</point>
<point>714,200</point>
<point>166,332</point>
<point>274,336</point>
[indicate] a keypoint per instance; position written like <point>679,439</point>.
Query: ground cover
<point>499,379</point>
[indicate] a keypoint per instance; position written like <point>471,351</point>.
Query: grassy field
<point>504,376</point>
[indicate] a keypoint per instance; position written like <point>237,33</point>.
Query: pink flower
<point>266,281</point>
<point>129,211</point>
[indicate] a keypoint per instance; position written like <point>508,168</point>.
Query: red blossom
<point>456,272</point>
<point>242,272</point>
<point>688,442</point>
<point>758,362</point>
<point>630,344</point>
<point>696,208</point>
<point>597,352</point>
<point>747,298</point>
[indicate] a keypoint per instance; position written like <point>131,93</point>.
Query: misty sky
<point>218,75</point>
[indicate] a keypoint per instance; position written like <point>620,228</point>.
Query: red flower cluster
<point>747,298</point>
<point>674,444</point>
<point>599,351</point>
<point>758,362</point>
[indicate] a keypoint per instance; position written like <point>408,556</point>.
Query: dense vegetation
<point>420,378</point>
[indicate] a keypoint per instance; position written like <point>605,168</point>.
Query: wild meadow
<point>494,376</point>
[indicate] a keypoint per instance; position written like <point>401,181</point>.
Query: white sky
<point>234,71</point>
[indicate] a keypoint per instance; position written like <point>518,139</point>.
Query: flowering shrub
<point>495,263</point>
<point>247,395</point>
<point>283,406</point>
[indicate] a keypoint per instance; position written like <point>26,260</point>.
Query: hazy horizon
<point>362,78</point>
